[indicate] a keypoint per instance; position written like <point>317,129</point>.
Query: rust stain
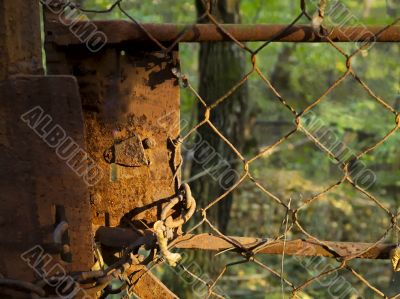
<point>124,97</point>
<point>128,152</point>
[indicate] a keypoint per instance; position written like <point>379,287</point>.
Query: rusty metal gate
<point>90,165</point>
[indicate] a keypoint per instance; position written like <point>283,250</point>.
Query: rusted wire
<point>23,286</point>
<point>246,254</point>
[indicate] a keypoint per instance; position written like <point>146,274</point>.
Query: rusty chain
<point>168,228</point>
<point>164,230</point>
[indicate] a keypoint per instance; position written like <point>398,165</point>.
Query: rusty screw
<point>149,143</point>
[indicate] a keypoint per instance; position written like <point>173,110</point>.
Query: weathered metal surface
<point>124,31</point>
<point>130,101</point>
<point>144,284</point>
<point>40,187</point>
<point>20,42</point>
<point>135,92</point>
<point>147,286</point>
<point>128,152</point>
<point>117,238</point>
<point>128,94</point>
<point>291,247</point>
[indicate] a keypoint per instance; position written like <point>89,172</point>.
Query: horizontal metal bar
<point>122,237</point>
<point>120,31</point>
<point>290,247</point>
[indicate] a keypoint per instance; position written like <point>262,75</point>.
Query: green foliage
<point>299,169</point>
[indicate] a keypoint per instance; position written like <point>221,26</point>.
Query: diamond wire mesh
<point>250,255</point>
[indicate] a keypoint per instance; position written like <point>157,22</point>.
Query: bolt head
<point>149,143</point>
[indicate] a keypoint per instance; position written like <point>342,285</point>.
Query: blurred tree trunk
<point>279,78</point>
<point>367,8</point>
<point>393,8</point>
<point>221,66</point>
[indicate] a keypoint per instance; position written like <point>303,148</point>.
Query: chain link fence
<point>238,251</point>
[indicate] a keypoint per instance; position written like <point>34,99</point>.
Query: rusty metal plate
<point>128,94</point>
<point>145,91</point>
<point>307,247</point>
<point>20,41</point>
<point>128,152</point>
<point>148,286</point>
<point>37,185</point>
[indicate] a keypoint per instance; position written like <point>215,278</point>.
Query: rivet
<point>149,143</point>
